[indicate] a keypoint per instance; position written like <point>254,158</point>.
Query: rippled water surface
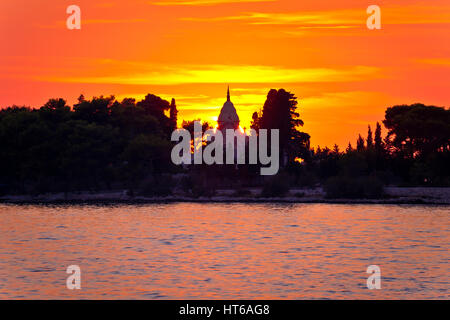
<point>224,251</point>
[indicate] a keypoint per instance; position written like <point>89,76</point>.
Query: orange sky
<point>343,74</point>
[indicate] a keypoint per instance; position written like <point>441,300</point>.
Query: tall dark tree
<point>360,144</point>
<point>369,140</point>
<point>336,149</point>
<point>379,147</point>
<point>349,148</point>
<point>173,114</point>
<point>280,112</point>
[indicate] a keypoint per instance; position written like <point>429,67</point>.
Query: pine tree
<point>360,143</point>
<point>349,148</point>
<point>379,145</point>
<point>336,149</point>
<point>318,150</point>
<point>369,138</point>
<point>173,114</point>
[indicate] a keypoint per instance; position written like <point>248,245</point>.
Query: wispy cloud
<point>296,18</point>
<point>60,23</point>
<point>413,14</point>
<point>108,21</point>
<point>106,4</point>
<point>290,18</point>
<point>436,61</point>
<point>201,2</point>
<point>185,99</point>
<point>209,74</point>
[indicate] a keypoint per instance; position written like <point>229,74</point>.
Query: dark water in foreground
<point>225,251</point>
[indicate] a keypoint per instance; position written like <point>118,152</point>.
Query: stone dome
<point>228,118</point>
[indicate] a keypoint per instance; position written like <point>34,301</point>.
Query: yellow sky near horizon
<point>343,74</point>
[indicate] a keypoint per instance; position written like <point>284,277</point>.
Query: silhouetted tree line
<point>280,112</point>
<point>415,152</point>
<point>103,144</point>
<point>98,144</point>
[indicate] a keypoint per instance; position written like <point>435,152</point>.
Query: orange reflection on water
<point>224,251</point>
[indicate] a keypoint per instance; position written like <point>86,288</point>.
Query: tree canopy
<point>418,130</point>
<point>280,112</point>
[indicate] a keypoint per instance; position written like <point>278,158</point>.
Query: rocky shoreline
<point>393,195</point>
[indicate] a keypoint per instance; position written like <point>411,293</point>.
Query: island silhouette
<point>103,144</point>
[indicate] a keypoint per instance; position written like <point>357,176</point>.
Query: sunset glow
<point>343,74</point>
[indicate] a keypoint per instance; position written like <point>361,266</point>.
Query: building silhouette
<point>228,117</point>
